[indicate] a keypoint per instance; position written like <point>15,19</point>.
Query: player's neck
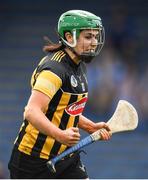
<point>73,56</point>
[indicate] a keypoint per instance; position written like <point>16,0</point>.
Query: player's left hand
<point>104,130</point>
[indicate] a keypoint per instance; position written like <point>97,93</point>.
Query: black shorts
<point>23,166</point>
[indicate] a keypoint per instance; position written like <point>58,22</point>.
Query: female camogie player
<point>53,114</point>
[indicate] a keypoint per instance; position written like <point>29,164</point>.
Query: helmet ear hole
<point>64,33</point>
<point>68,37</point>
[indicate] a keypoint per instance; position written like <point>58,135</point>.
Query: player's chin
<point>87,59</point>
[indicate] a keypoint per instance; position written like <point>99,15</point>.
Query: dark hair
<point>52,47</point>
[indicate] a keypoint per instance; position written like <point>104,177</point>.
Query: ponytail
<point>52,47</point>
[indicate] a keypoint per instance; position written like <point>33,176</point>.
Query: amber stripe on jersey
<point>61,57</point>
<point>32,143</point>
<point>21,133</point>
<point>72,122</point>
<point>58,56</point>
<point>48,83</point>
<point>56,119</point>
<point>41,139</point>
<point>28,140</point>
<point>35,73</point>
<point>40,145</point>
<point>64,121</point>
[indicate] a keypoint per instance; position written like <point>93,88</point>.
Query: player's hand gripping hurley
<point>125,118</point>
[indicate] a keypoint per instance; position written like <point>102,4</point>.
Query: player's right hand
<point>70,136</point>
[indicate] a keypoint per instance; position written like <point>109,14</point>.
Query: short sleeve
<point>53,66</point>
<point>48,83</point>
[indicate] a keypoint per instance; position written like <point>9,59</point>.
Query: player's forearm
<point>86,124</point>
<point>38,119</point>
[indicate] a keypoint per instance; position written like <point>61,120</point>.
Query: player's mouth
<point>90,50</point>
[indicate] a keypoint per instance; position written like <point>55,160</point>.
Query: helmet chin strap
<point>84,58</point>
<point>87,59</point>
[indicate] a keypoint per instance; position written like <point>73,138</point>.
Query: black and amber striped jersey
<point>66,84</point>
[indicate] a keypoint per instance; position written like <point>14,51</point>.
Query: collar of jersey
<point>71,61</point>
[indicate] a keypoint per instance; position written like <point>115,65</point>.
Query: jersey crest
<point>74,82</point>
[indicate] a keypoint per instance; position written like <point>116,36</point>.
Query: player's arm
<point>90,127</point>
<point>34,113</point>
<point>37,105</point>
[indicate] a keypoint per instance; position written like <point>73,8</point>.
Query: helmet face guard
<point>100,44</point>
<point>75,21</point>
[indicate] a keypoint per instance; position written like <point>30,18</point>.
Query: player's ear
<point>69,37</point>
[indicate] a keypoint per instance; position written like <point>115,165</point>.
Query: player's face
<point>87,41</point>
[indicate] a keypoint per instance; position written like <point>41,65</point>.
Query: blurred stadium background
<point>121,72</point>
